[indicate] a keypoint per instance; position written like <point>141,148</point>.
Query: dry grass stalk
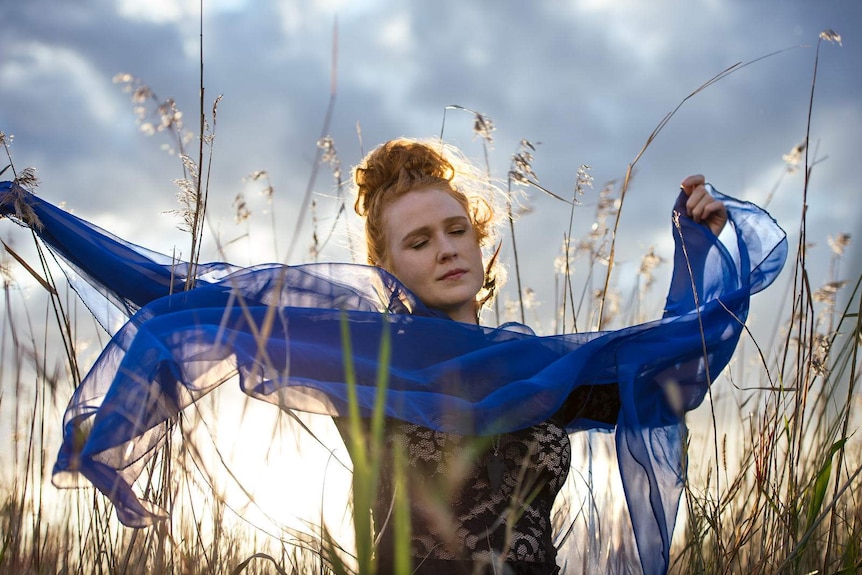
<point>786,501</point>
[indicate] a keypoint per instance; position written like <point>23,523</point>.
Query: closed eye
<point>418,244</point>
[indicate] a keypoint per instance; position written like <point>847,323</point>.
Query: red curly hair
<point>404,165</point>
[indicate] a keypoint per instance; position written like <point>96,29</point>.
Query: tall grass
<point>779,494</point>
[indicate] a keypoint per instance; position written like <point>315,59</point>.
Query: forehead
<point>421,208</point>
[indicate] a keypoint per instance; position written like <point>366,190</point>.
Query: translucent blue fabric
<point>279,329</point>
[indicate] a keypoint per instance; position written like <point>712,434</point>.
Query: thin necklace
<point>495,466</point>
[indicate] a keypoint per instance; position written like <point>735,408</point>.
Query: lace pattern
<point>459,509</point>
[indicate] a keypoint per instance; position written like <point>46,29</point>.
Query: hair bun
<point>399,165</point>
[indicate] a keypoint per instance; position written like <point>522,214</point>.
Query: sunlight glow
<point>156,11</point>
<point>173,11</point>
<point>395,32</point>
<point>268,469</point>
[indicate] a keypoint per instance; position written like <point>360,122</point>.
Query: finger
<point>692,182</point>
<point>712,208</point>
<point>696,201</point>
<point>711,212</point>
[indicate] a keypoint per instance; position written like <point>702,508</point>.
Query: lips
<point>453,274</point>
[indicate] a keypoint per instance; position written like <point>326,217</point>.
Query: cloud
<point>61,79</point>
<point>174,11</point>
<point>590,80</point>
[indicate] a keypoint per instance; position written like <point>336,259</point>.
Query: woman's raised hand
<point>701,206</point>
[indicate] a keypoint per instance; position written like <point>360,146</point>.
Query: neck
<point>466,315</point>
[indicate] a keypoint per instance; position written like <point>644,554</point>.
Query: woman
<point>283,331</point>
<point>426,223</point>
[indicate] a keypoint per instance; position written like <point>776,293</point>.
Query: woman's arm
<point>130,272</point>
<point>127,275</point>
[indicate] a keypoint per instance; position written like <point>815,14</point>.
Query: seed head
<point>650,262</point>
<point>521,170</point>
<point>19,199</point>
<point>330,156</point>
<point>564,263</point>
<point>27,178</point>
<point>483,127</point>
<point>831,36</point>
<point>827,292</point>
<point>241,211</point>
<point>838,243</point>
<point>794,157</point>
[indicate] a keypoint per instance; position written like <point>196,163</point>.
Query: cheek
<point>387,259</point>
<point>407,267</point>
<point>475,253</point>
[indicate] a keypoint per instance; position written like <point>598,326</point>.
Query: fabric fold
<point>277,329</point>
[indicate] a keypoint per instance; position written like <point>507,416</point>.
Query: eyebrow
<point>424,230</point>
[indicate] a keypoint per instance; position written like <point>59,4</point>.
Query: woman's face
<point>432,249</point>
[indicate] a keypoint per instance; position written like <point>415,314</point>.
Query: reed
<point>779,492</point>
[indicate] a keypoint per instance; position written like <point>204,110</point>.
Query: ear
<point>384,264</point>
<point>372,262</point>
<point>381,265</point>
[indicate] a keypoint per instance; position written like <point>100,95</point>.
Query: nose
<point>446,249</point>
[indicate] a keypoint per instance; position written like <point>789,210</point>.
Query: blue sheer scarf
<point>279,329</point>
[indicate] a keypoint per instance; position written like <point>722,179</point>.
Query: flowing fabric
<point>279,330</point>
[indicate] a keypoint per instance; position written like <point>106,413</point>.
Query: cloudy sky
<point>588,79</point>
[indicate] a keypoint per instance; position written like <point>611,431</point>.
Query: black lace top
<point>476,502</point>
